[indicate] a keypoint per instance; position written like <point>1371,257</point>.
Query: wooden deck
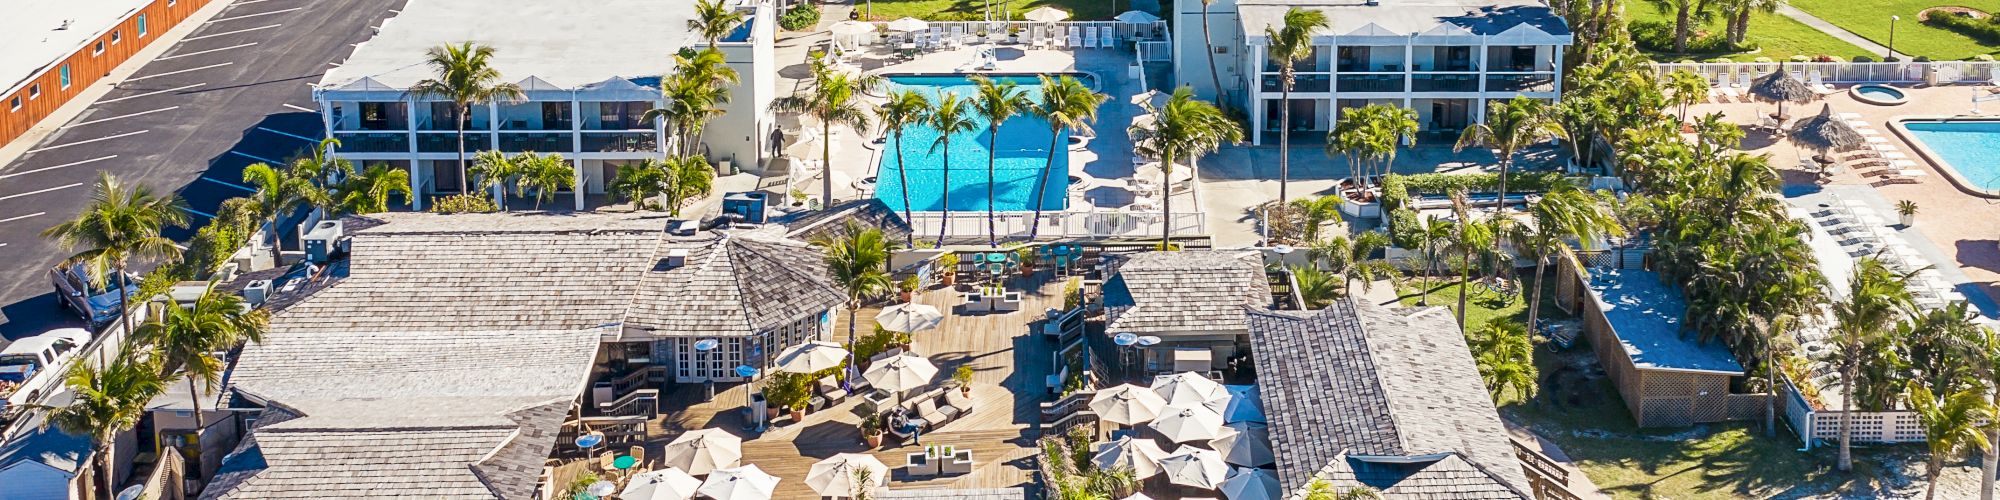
<point>1010,363</point>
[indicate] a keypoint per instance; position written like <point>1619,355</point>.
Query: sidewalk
<point>1836,31</point>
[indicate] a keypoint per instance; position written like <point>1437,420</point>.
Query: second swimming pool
<point>1019,158</point>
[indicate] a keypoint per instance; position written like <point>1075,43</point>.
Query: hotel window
<point>114,37</point>
<point>34,91</point>
<point>14,104</point>
<point>97,49</point>
<point>63,74</point>
<point>142,24</point>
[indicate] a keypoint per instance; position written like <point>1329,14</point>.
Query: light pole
<point>1892,38</point>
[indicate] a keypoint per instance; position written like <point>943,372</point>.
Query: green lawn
<point>1912,37</point>
<point>975,10</point>
<point>1777,37</point>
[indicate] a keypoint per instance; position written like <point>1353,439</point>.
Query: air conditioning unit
<point>322,240</point>
<point>751,206</point>
<point>257,292</point>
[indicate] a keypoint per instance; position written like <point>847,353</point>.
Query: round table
<point>624,462</point>
<point>996,257</point>
<point>1062,250</point>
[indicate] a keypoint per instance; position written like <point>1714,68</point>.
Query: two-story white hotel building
<point>1442,58</point>
<point>589,70</point>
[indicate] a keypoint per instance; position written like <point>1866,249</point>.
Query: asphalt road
<point>234,92</point>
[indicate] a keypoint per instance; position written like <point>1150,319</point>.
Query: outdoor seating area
<point>1045,28</point>
<point>1220,441</point>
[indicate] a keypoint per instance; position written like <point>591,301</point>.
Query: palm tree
<point>279,193</point>
<point>1949,423</point>
<point>1320,489</point>
<point>1353,259</point>
<point>1877,297</point>
<point>1505,352</point>
<point>687,177</point>
<point>1316,287</point>
<point>118,225</point>
<point>1986,358</point>
<point>1511,126</point>
<point>494,169</point>
<point>1687,88</point>
<point>369,192</point>
<point>320,166</point>
<point>1371,134</point>
<point>637,183</point>
<point>545,175</point>
<point>1183,128</point>
<point>1313,213</point>
<point>905,108</point>
<point>189,337</point>
<point>1287,46</point>
<point>465,76</point>
<point>714,19</point>
<point>1067,105</point>
<point>1208,46</point>
<point>858,259</point>
<point>1437,231</point>
<point>950,117</point>
<point>108,401</point>
<point>694,94</point>
<point>1564,213</point>
<point>1469,237</point>
<point>834,100</point>
<point>997,102</point>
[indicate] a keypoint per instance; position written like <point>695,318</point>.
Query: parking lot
<point>235,91</point>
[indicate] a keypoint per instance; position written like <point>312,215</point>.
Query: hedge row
<point>1983,30</point>
<point>1658,36</point>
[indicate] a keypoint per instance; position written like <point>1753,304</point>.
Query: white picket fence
<point>1062,225</point>
<point>1935,72</point>
<point>1152,38</point>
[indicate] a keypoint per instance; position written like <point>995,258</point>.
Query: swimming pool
<point>1967,147</point>
<point>1020,156</point>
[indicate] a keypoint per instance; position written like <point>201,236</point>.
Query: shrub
<point>804,15</point>
<point>1517,182</point>
<point>1864,59</point>
<point>1658,36</point>
<point>464,204</point>
<point>1983,30</point>
<point>1404,229</point>
<point>1395,192</point>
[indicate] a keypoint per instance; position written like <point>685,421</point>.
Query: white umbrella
<point>1137,17</point>
<point>1137,496</point>
<point>851,28</point>
<point>1046,15</point>
<point>1141,456</point>
<point>1189,388</point>
<point>1191,466</point>
<point>702,451</point>
<point>909,318</point>
<point>663,484</point>
<point>1152,172</point>
<point>811,357</point>
<point>1127,404</point>
<point>1249,483</point>
<point>900,373</point>
<point>1144,121</point>
<point>1183,424</point>
<point>909,24</point>
<point>747,483</point>
<point>834,476</point>
<point>1245,443</point>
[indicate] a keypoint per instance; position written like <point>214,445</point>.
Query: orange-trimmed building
<point>50,50</point>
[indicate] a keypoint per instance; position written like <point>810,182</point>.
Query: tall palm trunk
<point>1284,135</point>
<point>277,256</point>
<point>464,115</point>
<point>1989,464</point>
<point>124,311</point>
<point>104,463</point>
<point>1167,201</point>
<point>1681,29</point>
<point>1931,470</point>
<point>1846,462</point>
<point>944,209</point>
<point>199,425</point>
<point>1771,388</point>
<point>1506,163</point>
<point>1208,42</point>
<point>1042,184</point>
<point>1464,281</point>
<point>992,232</point>
<point>903,174</point>
<point>826,165</point>
<point>1430,264</point>
<point>1535,300</point>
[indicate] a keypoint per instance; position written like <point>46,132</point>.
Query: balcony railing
<point>1520,83</point>
<point>441,142</point>
<point>1300,83</point>
<point>1444,83</point>
<point>540,142</point>
<point>373,142</point>
<point>620,142</point>
<point>1371,83</point>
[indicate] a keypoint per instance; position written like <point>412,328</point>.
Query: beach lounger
<point>1818,83</point>
<point>1867,131</point>
<point>1740,85</point>
<point>1875,139</point>
<point>957,35</point>
<point>1894,155</point>
<point>1090,37</point>
<point>1848,115</point>
<point>1075,37</point>
<point>929,411</point>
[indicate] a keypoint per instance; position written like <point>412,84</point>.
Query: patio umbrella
<point>1246,404</point>
<point>1190,388</point>
<point>702,451</point>
<point>1144,121</point>
<point>1127,404</point>
<point>1137,496</point>
<point>1824,132</point>
<point>663,484</point>
<point>1137,17</point>
<point>900,373</point>
<point>909,318</point>
<point>1245,443</point>
<point>1183,424</point>
<point>1149,97</point>
<point>1191,466</point>
<point>908,24</point>
<point>741,483</point>
<point>1046,15</point>
<point>1152,172</point>
<point>1249,483</point>
<point>1780,87</point>
<point>834,476</point>
<point>811,357</point>
<point>1141,456</point>
<point>851,28</point>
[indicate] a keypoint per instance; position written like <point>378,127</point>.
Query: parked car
<point>98,304</point>
<point>33,367</point>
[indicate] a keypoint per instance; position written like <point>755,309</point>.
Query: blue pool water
<point>1970,147</point>
<point>1879,92</point>
<point>1019,158</point>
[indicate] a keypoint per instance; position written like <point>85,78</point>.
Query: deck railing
<point>1934,72</point>
<point>1020,32</point>
<point>1062,225</point>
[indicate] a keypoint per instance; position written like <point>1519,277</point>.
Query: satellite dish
<point>1125,339</point>
<point>707,344</point>
<point>1148,341</point>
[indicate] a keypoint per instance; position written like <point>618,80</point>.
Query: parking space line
<point>102,120</point>
<point>200,52</point>
<point>301,108</point>
<point>227,33</point>
<point>211,66</point>
<point>15,218</point>
<point>245,16</point>
<point>87,141</point>
<point>230,184</point>
<point>57,188</point>
<point>289,134</point>
<point>72,164</point>
<point>153,93</point>
<point>258,158</point>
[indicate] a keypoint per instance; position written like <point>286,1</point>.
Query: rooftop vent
<point>683,227</point>
<point>1373,2</point>
<point>676,258</point>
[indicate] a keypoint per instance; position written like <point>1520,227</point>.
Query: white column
<point>1255,93</point>
<point>1409,67</point>
<point>416,173</point>
<point>576,165</point>
<point>1558,69</point>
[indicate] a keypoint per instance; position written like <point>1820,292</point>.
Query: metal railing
<point>1934,72</point>
<point>1062,225</point>
<point>1110,34</point>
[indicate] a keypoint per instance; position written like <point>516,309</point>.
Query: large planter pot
<point>904,296</point>
<point>1367,209</point>
<point>798,415</point>
<point>950,278</point>
<point>873,440</point>
<point>1907,220</point>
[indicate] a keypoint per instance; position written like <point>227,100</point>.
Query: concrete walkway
<point>1836,31</point>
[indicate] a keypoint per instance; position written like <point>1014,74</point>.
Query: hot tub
<point>1879,95</point>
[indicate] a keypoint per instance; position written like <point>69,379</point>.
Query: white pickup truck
<point>33,367</point>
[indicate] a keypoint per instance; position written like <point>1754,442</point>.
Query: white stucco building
<point>1442,58</point>
<point>589,70</point>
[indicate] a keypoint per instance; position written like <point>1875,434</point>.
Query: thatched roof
<point>1824,131</point>
<point>1780,86</point>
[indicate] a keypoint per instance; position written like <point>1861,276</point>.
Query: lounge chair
<point>958,401</point>
<point>1090,37</point>
<point>1075,37</point>
<point>1818,83</point>
<point>830,389</point>
<point>957,35</point>
<point>932,415</point>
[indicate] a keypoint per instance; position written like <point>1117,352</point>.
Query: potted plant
<point>948,265</point>
<point>907,289</point>
<point>1013,33</point>
<point>789,391</point>
<point>963,378</point>
<point>871,431</point>
<point>799,197</point>
<point>1906,212</point>
<point>1027,257</point>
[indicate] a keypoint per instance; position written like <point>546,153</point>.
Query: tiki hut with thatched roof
<point>1781,87</point>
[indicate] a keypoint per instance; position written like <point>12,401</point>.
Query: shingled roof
<point>732,284</point>
<point>465,414</point>
<point>1364,395</point>
<point>1188,291</point>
